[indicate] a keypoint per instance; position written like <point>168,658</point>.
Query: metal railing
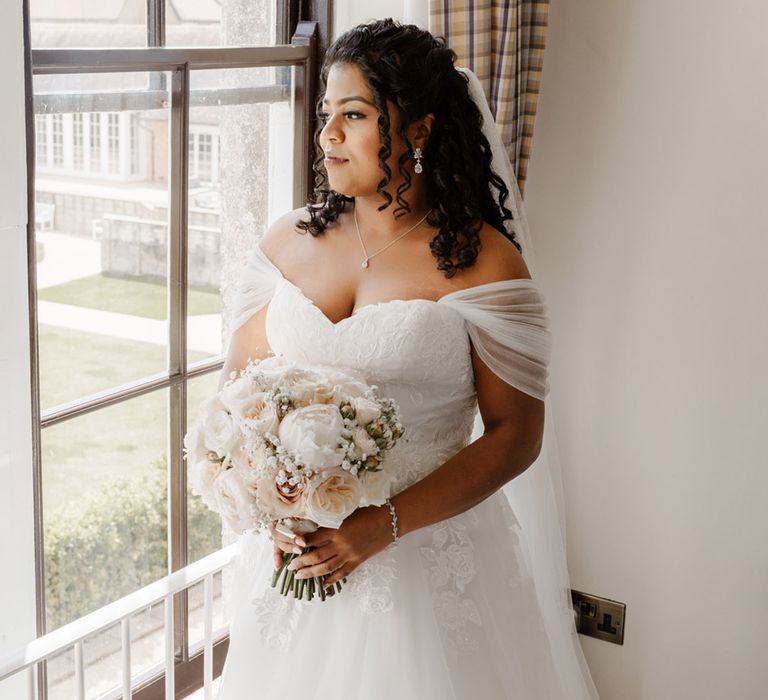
<point>72,636</point>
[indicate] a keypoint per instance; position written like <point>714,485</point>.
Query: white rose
<point>232,395</point>
<point>202,475</point>
<point>313,434</point>
<point>303,389</point>
<point>220,433</point>
<point>353,389</point>
<point>366,410</point>
<point>255,412</point>
<point>328,501</point>
<point>279,501</point>
<point>233,500</point>
<point>364,444</point>
<point>296,376</point>
<point>273,368</point>
<point>376,487</point>
<point>194,447</point>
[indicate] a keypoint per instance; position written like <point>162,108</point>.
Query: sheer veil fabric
<point>434,591</point>
<point>536,495</point>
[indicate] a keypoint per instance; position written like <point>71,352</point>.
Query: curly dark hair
<point>415,70</point>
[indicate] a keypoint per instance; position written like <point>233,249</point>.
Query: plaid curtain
<point>502,43</point>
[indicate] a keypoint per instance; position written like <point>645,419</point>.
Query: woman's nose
<point>331,131</point>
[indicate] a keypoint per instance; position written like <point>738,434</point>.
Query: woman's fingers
<point>278,557</point>
<point>326,567</point>
<point>284,543</point>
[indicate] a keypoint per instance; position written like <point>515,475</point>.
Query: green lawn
<point>128,295</point>
<point>83,454</point>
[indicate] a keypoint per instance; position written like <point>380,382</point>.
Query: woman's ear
<point>419,131</point>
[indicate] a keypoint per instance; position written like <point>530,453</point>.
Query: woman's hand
<point>283,543</point>
<point>338,552</point>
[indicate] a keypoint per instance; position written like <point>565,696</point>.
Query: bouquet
<point>300,446</point>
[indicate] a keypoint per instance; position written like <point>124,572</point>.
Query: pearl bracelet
<point>393,515</point>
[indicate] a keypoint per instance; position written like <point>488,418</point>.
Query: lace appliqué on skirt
<point>451,568</point>
<point>371,583</point>
<point>277,617</point>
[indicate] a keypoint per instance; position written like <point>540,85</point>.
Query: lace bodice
<point>417,351</point>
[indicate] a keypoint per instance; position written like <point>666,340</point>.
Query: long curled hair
<point>415,70</point>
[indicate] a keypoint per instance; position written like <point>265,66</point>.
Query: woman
<point>410,276</point>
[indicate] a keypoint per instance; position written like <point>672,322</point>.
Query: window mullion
<point>177,345</point>
<point>155,23</point>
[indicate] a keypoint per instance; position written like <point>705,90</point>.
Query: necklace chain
<point>365,252</point>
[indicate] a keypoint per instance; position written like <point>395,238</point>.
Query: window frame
<point>303,43</point>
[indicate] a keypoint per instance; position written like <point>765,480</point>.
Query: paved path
<point>204,332</point>
<point>69,258</point>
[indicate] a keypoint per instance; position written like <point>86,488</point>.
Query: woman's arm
<point>247,342</point>
<point>514,423</point>
<point>514,426</point>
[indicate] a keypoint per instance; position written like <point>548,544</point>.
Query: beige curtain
<point>503,44</point>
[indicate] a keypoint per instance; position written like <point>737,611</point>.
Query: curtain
<point>502,43</point>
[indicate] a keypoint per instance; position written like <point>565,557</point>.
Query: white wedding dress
<point>450,611</point>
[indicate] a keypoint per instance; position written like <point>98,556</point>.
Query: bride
<point>413,274</point>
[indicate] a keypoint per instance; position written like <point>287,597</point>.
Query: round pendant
<point>365,263</point>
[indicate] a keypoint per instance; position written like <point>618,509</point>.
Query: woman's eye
<point>354,115</point>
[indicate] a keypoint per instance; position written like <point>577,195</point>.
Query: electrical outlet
<point>598,617</point>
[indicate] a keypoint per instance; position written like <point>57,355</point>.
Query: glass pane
<point>102,661</point>
<point>147,641</point>
<point>87,24</point>
<point>203,525</point>
<point>197,612</point>
<point>101,222</point>
<point>240,179</point>
<point>102,656</point>
<point>216,23</point>
<point>104,505</point>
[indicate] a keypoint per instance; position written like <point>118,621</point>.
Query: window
<point>134,144</point>
<point>58,140</point>
<point>136,268</point>
<point>113,141</point>
<point>41,139</point>
<point>78,142</point>
<point>95,142</point>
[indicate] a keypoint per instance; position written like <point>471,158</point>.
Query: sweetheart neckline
<point>523,281</point>
<point>372,305</point>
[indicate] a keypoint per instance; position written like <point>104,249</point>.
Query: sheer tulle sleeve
<point>508,324</point>
<point>255,287</point>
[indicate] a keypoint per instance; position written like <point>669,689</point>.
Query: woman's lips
<point>331,160</point>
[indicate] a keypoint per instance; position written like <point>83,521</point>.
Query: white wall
<point>17,589</point>
<point>648,200</point>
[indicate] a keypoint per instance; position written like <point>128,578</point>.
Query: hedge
<point>115,542</point>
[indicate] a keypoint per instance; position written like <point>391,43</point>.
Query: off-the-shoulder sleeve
<point>255,286</point>
<point>508,324</point>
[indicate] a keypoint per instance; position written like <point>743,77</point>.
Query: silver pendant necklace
<point>365,252</point>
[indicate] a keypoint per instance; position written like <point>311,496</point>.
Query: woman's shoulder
<point>498,258</point>
<point>282,232</point>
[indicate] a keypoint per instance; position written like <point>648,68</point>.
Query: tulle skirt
<point>449,612</point>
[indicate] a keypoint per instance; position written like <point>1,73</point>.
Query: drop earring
<point>418,168</point>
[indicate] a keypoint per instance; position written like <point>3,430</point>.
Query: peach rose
<point>330,499</point>
<point>279,501</point>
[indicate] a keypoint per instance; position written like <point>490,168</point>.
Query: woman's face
<point>350,137</point>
